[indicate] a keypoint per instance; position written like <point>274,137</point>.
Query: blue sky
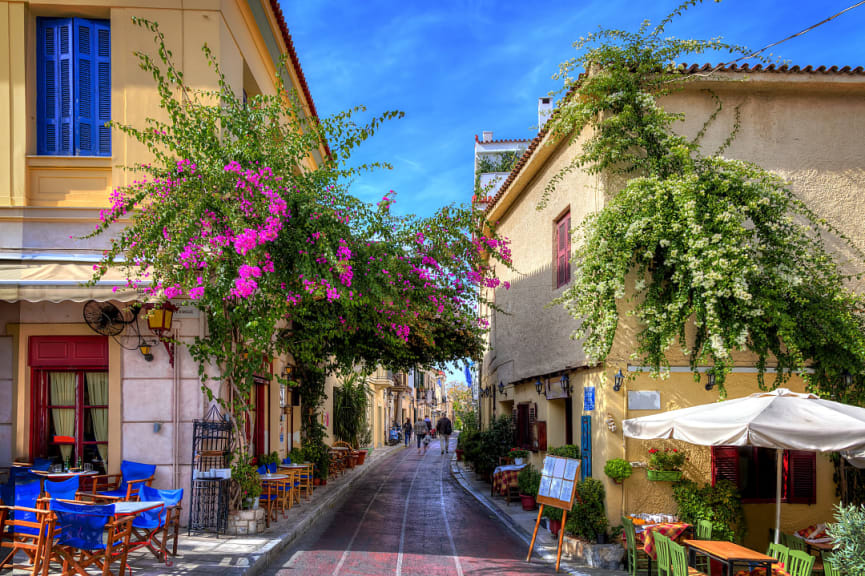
<point>457,68</point>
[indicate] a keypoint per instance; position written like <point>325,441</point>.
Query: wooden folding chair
<point>27,530</point>
<point>269,499</point>
<point>80,542</point>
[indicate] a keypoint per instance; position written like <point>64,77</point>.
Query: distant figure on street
<point>429,426</point>
<point>420,431</point>
<point>406,431</point>
<point>444,429</point>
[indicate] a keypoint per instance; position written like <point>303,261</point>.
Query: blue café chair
<point>263,469</point>
<point>80,541</point>
<point>156,528</point>
<point>42,464</point>
<point>123,486</point>
<point>272,468</point>
<point>62,489</point>
<point>286,460</point>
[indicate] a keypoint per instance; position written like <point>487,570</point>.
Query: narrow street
<point>409,517</point>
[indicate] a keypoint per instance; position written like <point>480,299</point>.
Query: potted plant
<point>618,469</point>
<point>519,455</point>
<point>245,476</point>
<point>848,535</point>
<point>666,465</point>
<point>529,481</point>
<point>554,519</point>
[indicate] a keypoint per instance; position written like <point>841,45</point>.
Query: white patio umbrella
<point>779,419</point>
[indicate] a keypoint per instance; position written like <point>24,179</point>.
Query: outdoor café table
<point>60,476</point>
<point>729,554</point>
<point>273,476</point>
<point>504,476</point>
<point>671,530</point>
<point>135,508</point>
<point>292,466</point>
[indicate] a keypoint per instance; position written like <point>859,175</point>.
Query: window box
<point>664,475</point>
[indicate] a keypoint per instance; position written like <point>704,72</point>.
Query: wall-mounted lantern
<point>618,380</point>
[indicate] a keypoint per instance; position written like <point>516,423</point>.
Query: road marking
<point>345,552</point>
<point>405,519</point>
<point>447,523</point>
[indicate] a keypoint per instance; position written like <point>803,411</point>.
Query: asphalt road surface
<point>408,517</point>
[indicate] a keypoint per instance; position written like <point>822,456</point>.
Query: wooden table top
<point>728,551</point>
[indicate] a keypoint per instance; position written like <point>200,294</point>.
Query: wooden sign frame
<point>559,478</point>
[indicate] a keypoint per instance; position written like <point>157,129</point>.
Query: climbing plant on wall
<point>722,245</point>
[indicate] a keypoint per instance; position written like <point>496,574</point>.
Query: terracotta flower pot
<point>361,457</point>
<point>555,526</point>
<point>528,501</point>
<point>316,481</point>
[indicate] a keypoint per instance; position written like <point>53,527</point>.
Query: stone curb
<point>262,558</point>
<point>546,553</point>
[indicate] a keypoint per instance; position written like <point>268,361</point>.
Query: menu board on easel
<point>558,482</point>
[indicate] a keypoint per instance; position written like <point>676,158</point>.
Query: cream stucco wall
<point>810,130</point>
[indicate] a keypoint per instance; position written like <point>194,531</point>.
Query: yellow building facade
<point>49,200</point>
<point>805,126</point>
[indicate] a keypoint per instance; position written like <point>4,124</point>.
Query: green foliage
<point>465,416</point>
<point>266,459</point>
<point>854,481</point>
<point>246,479</point>
<point>618,469</point>
<point>667,459</point>
<point>721,505</point>
<point>492,444</point>
<point>565,451</point>
<point>529,480</point>
<point>848,533</point>
<point>501,162</point>
<point>518,453</point>
<point>722,245</point>
<point>468,438</point>
<point>587,518</point>
<point>297,456</point>
<point>350,407</point>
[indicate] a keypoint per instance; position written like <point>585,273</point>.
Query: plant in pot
<point>618,469</point>
<point>554,519</point>
<point>465,441</point>
<point>248,482</point>
<point>666,465</point>
<point>519,455</point>
<point>529,481</point>
<point>587,519</point>
<point>848,535</point>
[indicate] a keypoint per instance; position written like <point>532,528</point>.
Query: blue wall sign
<point>589,398</point>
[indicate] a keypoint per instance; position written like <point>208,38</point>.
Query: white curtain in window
<point>97,389</point>
<point>63,394</point>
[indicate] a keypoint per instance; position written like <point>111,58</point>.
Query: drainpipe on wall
<point>176,417</point>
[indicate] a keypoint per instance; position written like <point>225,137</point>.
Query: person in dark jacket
<point>444,429</point>
<point>406,431</point>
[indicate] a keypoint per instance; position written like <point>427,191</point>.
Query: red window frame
<point>562,249</point>
<point>799,473</point>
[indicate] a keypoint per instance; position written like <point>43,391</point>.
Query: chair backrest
<point>792,542</point>
<point>81,525</point>
<point>272,468</point>
<point>704,530</point>
<point>130,471</point>
<point>801,563</point>
<point>678,559</point>
<point>662,550</point>
<point>286,460</point>
<point>151,519</point>
<point>779,552</point>
<point>630,533</point>
<point>28,487</point>
<point>262,469</point>
<point>42,464</point>
<point>829,569</point>
<point>62,489</point>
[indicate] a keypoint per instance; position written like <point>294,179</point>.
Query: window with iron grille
<point>73,87</point>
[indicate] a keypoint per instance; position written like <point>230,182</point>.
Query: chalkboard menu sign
<point>558,482</point>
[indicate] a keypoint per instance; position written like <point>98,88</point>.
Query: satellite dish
<point>104,318</point>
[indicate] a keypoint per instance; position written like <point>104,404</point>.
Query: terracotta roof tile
<point>689,69</point>
<point>504,141</point>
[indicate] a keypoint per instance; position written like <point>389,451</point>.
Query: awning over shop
<point>59,282</point>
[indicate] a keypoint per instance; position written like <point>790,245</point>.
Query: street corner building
<point>805,124</point>
<point>82,377</point>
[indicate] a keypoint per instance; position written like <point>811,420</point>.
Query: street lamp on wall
<point>159,320</point>
<point>618,380</point>
<point>711,383</point>
<point>565,383</point>
<point>146,350</point>
<point>539,386</point>
<point>502,388</point>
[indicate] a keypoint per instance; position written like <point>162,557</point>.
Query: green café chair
<point>779,552</point>
<point>637,557</point>
<point>801,563</point>
<point>793,542</point>
<point>829,568</point>
<point>679,561</point>
<point>704,530</point>
<point>662,550</point>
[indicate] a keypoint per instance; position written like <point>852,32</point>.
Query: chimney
<point>487,136</point>
<point>545,110</point>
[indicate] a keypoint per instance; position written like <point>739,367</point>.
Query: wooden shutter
<point>802,477</point>
<point>85,88</point>
<point>541,435</point>
<point>563,250</point>
<point>54,68</point>
<point>524,427</point>
<point>585,447</point>
<point>103,86</point>
<point>725,464</point>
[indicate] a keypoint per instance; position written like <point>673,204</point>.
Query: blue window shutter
<point>585,447</point>
<point>85,93</point>
<point>54,64</point>
<point>103,86</point>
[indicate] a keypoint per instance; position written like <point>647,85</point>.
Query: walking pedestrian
<point>420,431</point>
<point>444,429</point>
<point>406,431</point>
<point>429,426</point>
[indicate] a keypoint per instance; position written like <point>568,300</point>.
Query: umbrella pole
<point>779,464</point>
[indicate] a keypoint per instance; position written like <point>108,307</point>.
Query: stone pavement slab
<point>248,555</point>
<point>522,523</point>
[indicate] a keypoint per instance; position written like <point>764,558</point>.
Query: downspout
<point>176,416</point>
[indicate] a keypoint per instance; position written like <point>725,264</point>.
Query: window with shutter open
<point>73,69</point>
<point>563,250</point>
<point>753,470</point>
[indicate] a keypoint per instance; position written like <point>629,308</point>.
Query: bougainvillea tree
<point>720,245</point>
<point>244,214</point>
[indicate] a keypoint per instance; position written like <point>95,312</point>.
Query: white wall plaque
<point>644,400</point>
